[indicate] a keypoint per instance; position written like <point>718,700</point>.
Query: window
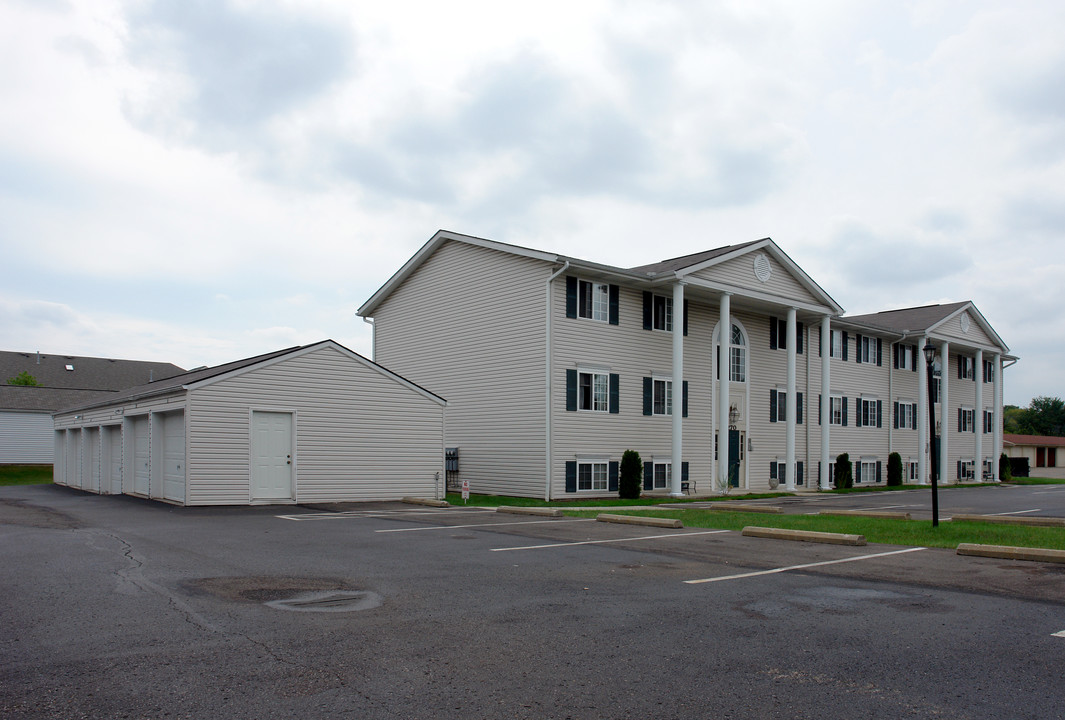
<point>837,344</point>
<point>989,471</point>
<point>869,410</point>
<point>591,476</point>
<point>737,366</point>
<point>868,470</point>
<point>593,300</point>
<point>662,313</point>
<point>906,415</point>
<point>593,391</point>
<point>662,400</point>
<point>912,472</point>
<point>989,422</point>
<point>778,406</point>
<point>835,413</point>
<point>662,475</point>
<point>782,405</point>
<point>778,334</point>
<point>966,470</point>
<point>905,357</point>
<point>966,368</point>
<point>966,420</point>
<point>989,371</point>
<point>778,470</point>
<point>867,349</point>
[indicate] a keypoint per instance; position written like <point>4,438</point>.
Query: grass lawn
<point>875,530</point>
<point>25,474</point>
<point>1035,481</point>
<point>494,500</point>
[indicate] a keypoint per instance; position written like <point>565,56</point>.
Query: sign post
<point>465,491</point>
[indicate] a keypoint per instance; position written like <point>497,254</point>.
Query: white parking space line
<point>1048,492</point>
<point>349,514</point>
<point>477,525</point>
<point>885,507</point>
<point>802,567</point>
<point>614,540</point>
<point>1058,634</point>
<point>1017,512</point>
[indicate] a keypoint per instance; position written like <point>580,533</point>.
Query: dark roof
<point>57,387</point>
<point>907,319</point>
<point>1040,440</point>
<point>679,263</point>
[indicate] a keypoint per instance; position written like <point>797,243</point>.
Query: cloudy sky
<point>198,181</point>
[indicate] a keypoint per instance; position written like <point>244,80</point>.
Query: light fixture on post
<point>733,416</point>
<point>930,359</point>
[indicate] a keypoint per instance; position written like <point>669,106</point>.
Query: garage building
<point>317,423</point>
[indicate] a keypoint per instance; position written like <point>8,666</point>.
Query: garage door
<point>171,435</point>
<point>139,454</point>
<point>113,459</point>
<point>91,455</point>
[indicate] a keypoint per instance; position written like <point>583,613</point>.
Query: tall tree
<point>1046,416</point>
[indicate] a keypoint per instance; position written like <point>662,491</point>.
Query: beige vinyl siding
<point>469,325</point>
<point>359,433</point>
<point>951,329</point>
<point>962,393</point>
<point>740,273</point>
<point>633,353</point>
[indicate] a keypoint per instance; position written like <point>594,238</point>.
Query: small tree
<point>1005,470</point>
<point>23,378</point>
<point>894,469</point>
<point>844,472</point>
<point>629,484</point>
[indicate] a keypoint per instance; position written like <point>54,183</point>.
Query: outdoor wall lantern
<point>930,359</point>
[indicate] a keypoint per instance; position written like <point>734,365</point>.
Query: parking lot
<point>117,607</point>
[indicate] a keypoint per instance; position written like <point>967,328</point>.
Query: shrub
<point>1005,469</point>
<point>894,469</point>
<point>844,472</point>
<point>629,484</point>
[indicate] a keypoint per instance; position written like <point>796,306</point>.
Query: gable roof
<point>925,319</point>
<point>206,376</point>
<point>1038,440</point>
<point>645,275</point>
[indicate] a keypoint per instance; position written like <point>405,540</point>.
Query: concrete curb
<point>1012,520</point>
<point>638,520</point>
<point>517,510</point>
<point>737,507</point>
<point>803,535</point>
<point>866,513</point>
<point>426,501</point>
<point>1012,553</point>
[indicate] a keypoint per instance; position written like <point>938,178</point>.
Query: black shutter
<point>571,476</point>
<point>684,471</point>
<point>895,422</point>
<point>684,401</point>
<point>895,348</point>
<point>858,471</point>
<point>844,412</point>
<point>615,304</point>
<point>571,297</point>
<point>772,406</point>
<point>798,408</point>
<point>648,395</point>
<point>772,333</point>
<point>571,390</point>
<point>858,407</point>
<point>959,419</point>
<point>819,341</point>
<point>648,310</point>
<point>914,356</point>
<point>685,317</point>
<point>798,473</point>
<point>879,353</point>
<point>820,408</point>
<point>879,468</point>
<point>612,476</point>
<point>857,348</point>
<point>615,393</point>
<point>798,337</point>
<point>960,373</point>
<point>959,469</point>
<point>879,413</point>
<point>648,476</point>
<point>773,470</point>
<point>844,347</point>
<point>914,416</point>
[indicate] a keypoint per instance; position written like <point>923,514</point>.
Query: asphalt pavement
<point>115,607</point>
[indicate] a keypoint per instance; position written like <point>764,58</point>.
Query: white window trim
<point>668,464</point>
<point>604,306</point>
<point>862,399</point>
<point>669,399</point>
<point>867,349</point>
<point>968,469</point>
<point>593,463</point>
<point>836,351</point>
<point>831,411</point>
<point>968,416</point>
<point>594,371</point>
<point>870,461</point>
<point>670,315</point>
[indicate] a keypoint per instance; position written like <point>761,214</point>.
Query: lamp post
<point>930,358</point>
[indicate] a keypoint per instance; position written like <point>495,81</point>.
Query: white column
<point>725,337</point>
<point>826,397</point>
<point>791,405</point>
<point>944,412</point>
<point>978,416</point>
<point>998,418</point>
<point>924,394</point>
<point>678,387</point>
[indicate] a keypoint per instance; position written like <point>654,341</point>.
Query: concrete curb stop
<point>639,520</point>
<point>866,513</point>
<point>1012,520</point>
<point>1009,552</point>
<point>803,535</point>
<point>541,511</point>
<point>737,507</point>
<point>426,501</point>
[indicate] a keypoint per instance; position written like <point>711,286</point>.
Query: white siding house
<point>553,366</point>
<point>317,423</point>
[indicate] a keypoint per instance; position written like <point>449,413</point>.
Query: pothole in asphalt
<point>329,602</point>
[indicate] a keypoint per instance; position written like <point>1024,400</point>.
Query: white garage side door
<point>140,455</point>
<point>71,467</point>
<point>114,450</point>
<point>271,456</point>
<point>173,449</point>
<point>92,453</point>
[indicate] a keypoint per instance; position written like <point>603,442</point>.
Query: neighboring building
<point>1046,455</point>
<point>62,380</point>
<point>317,423</point>
<point>553,366</point>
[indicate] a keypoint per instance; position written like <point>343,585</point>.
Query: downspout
<point>373,337</point>
<point>547,384</point>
